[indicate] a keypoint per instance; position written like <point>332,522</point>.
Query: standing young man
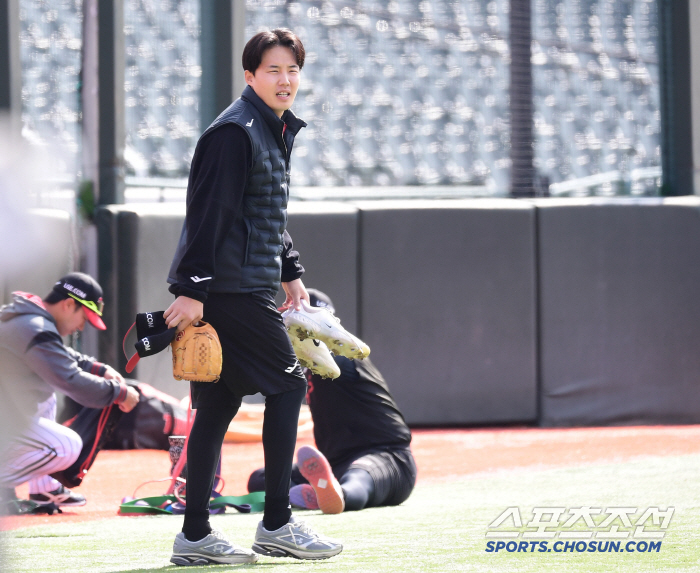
<point>232,256</point>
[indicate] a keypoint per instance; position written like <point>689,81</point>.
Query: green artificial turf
<point>441,527</point>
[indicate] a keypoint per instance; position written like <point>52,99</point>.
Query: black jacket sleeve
<point>217,183</point>
<point>291,268</point>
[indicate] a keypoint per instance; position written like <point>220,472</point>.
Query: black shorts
<point>393,472</point>
<point>257,353</point>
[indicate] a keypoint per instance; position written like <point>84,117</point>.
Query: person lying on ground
<point>364,456</point>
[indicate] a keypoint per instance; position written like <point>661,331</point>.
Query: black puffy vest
<point>264,202</point>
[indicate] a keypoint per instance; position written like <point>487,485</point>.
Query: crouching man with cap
<point>35,363</point>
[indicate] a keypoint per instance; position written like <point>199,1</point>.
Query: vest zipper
<point>286,153</point>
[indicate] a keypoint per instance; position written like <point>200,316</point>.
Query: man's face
<point>71,318</point>
<point>276,80</point>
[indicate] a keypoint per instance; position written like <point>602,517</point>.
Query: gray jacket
<point>34,362</point>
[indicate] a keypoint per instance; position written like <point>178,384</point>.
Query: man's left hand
<point>130,401</point>
<point>112,374</point>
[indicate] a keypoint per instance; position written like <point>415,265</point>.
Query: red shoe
<point>315,467</point>
<point>303,496</point>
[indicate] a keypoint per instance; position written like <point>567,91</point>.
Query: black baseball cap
<point>86,291</point>
<point>320,299</point>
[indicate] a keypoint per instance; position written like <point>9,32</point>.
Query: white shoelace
<point>303,528</point>
<point>310,310</point>
<point>316,309</point>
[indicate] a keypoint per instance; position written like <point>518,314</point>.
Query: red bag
<point>94,427</point>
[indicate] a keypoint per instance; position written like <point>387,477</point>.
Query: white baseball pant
<point>42,449</point>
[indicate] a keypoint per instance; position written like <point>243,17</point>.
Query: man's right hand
<point>132,398</point>
<point>183,312</point>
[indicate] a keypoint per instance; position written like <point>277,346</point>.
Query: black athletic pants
<point>372,479</point>
<point>204,447</point>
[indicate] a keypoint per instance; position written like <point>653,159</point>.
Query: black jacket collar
<point>294,124</point>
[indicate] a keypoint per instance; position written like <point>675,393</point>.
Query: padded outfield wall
<point>136,246</point>
<point>619,311</point>
<point>557,312</point>
<point>443,291</point>
<point>448,307</point>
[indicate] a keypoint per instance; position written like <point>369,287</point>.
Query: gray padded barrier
<point>448,307</point>
<point>137,243</point>
<point>50,231</point>
<point>325,234</point>
<point>106,219</point>
<point>620,311</point>
<point>47,237</point>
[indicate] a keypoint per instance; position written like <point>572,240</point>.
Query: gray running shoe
<point>296,539</point>
<point>214,548</point>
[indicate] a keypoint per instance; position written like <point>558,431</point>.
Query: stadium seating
<point>396,93</point>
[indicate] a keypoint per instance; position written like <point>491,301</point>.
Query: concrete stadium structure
<point>479,311</point>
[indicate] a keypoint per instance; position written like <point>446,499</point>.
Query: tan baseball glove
<point>197,354</point>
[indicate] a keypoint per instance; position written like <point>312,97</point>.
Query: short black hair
<point>263,41</point>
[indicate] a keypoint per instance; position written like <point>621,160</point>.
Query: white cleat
<point>314,355</point>
<point>323,325</point>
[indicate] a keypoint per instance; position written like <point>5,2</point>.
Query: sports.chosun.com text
<point>574,546</point>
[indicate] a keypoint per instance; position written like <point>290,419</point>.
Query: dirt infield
<point>441,455</point>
